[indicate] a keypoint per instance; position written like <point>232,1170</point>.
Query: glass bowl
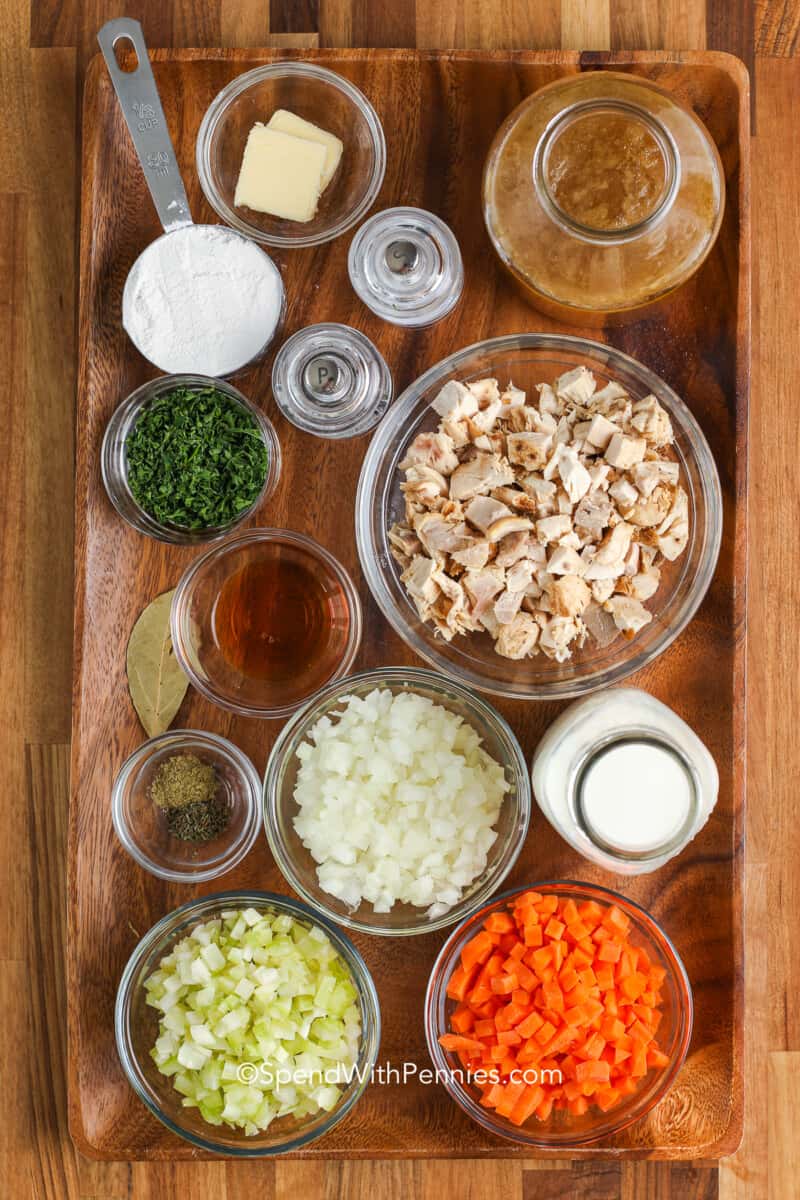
<point>136,1025</point>
<point>196,622</point>
<point>295,861</point>
<point>563,1130</point>
<point>528,359</point>
<point>142,829</point>
<point>114,467</point>
<point>318,95</point>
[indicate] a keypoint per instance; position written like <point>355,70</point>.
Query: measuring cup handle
<point>141,106</point>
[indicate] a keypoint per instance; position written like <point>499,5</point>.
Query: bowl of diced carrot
<point>558,1014</point>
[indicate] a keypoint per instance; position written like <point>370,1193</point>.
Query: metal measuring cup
<point>141,106</point>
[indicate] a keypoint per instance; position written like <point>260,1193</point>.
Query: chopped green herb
<point>196,458</point>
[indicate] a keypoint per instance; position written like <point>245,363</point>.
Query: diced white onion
<point>397,799</point>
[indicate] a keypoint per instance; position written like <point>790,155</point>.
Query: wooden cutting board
<point>440,111</point>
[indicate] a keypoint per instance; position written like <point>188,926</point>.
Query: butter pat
<point>289,122</point>
<point>281,174</point>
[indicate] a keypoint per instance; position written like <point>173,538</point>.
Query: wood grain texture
<point>777,27</point>
<point>118,572</point>
<point>28,1136</point>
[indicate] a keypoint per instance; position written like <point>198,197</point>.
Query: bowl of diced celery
<point>247,1023</point>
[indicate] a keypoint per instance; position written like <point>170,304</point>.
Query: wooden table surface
<point>44,48</point>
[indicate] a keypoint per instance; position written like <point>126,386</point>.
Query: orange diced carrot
<point>555,929</point>
<point>462,1019</point>
<point>503,985</point>
<point>499,922</point>
<point>609,951</point>
<point>477,950</point>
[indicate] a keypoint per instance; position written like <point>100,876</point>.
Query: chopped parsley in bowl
<point>187,458</point>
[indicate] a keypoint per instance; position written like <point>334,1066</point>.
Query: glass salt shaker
<point>330,380</point>
<point>405,264</point>
<point>624,780</point>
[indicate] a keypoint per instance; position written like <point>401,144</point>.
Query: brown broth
<point>275,619</point>
<point>606,171</point>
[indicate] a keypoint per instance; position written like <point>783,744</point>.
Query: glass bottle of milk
<point>624,780</point>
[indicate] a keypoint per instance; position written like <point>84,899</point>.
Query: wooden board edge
<point>734,67</point>
<point>75,1122</point>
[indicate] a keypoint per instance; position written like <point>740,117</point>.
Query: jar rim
<point>568,117</point>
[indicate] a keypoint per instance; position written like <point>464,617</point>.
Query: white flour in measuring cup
<point>202,300</point>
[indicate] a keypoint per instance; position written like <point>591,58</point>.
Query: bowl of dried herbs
<point>185,805</point>
<point>186,459</point>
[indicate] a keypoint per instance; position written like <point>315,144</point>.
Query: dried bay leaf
<point>155,680</point>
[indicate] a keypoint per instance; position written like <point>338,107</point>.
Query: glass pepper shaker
<point>405,264</point>
<point>330,380</point>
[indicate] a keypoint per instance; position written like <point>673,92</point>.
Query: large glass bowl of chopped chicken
<point>539,516</point>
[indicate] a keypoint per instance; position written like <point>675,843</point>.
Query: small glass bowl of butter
<point>291,154</point>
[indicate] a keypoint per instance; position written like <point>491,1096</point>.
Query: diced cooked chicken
<point>455,401</point>
<point>569,595</point>
<point>608,395</point>
<point>420,584</point>
<point>541,523</point>
<point>608,560</point>
<point>404,541</point>
<point>434,450</point>
<point>506,525</point>
<point>485,391</point>
<point>548,401</point>
<point>519,576</point>
<point>593,514</point>
<point>557,636</point>
<point>482,586</point>
<point>624,493</point>
<point>517,639</point>
<point>631,565</point>
<point>600,431</point>
<point>629,615</point>
<point>474,555</point>
<point>485,419</point>
<point>529,450</point>
<point>600,475</point>
<point>479,475</point>
<point>615,544</point>
<point>543,491</point>
<point>507,605</point>
<point>577,385</point>
<point>600,624</point>
<point>512,548</point>
<point>602,589</point>
<point>512,397</point>
<point>515,498</point>
<point>564,560</point>
<point>441,536</point>
<point>550,529</point>
<point>452,605</point>
<point>573,473</point>
<point>623,451</point>
<point>641,586</point>
<point>424,485</point>
<point>652,421</point>
<point>483,512</point>
<point>647,475</point>
<point>672,535</point>
<point>651,510</point>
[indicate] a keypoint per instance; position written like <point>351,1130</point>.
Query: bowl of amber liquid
<point>263,620</point>
<point>602,194</point>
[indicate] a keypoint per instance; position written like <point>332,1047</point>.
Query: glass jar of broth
<point>602,194</point>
